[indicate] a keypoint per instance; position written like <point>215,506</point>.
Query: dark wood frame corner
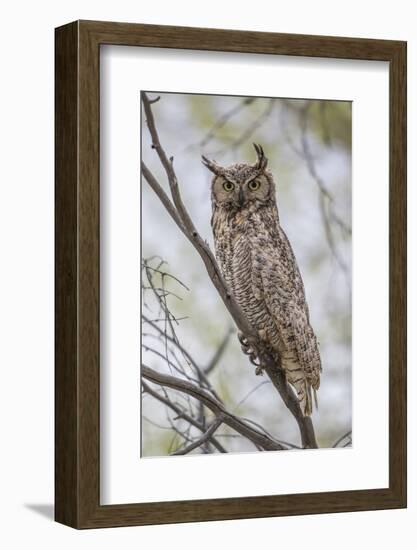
<point>77,404</point>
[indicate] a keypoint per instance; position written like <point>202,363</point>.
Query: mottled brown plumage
<point>261,271</point>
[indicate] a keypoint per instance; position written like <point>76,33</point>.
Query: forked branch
<point>217,408</point>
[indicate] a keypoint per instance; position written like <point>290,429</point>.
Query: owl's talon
<point>250,352</point>
<point>247,350</point>
<point>242,339</point>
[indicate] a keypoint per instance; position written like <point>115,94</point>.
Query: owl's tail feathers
<point>307,395</point>
<point>310,397</point>
<point>306,400</point>
<point>316,401</point>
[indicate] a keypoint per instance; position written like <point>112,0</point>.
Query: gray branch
<point>179,214</point>
<point>217,408</point>
<point>202,374</point>
<point>182,414</point>
<point>218,353</point>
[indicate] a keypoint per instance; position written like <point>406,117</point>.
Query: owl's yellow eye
<point>228,186</point>
<point>254,185</point>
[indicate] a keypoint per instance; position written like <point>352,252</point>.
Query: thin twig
<point>251,129</point>
<point>225,118</point>
<point>251,392</point>
<point>344,436</point>
<point>218,353</point>
<point>326,199</point>
<point>202,374</point>
<point>145,264</point>
<point>203,439</point>
<point>181,414</point>
<point>183,220</point>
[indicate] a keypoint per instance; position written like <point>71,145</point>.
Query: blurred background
<point>308,144</point>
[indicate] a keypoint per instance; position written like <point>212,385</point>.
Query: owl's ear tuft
<point>262,161</point>
<point>211,165</point>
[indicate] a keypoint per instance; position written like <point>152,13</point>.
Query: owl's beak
<point>241,197</point>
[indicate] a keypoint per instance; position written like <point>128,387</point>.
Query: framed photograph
<point>230,274</point>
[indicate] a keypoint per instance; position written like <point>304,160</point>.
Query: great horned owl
<point>261,271</point>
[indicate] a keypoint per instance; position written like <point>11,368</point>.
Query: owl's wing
<point>306,345</point>
<point>286,303</point>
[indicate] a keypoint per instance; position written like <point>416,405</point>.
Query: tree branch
<point>217,408</point>
<point>181,414</point>
<point>224,119</point>
<point>251,129</point>
<point>325,195</point>
<point>202,374</point>
<point>218,353</point>
<point>347,436</point>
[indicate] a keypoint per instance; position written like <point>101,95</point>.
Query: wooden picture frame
<point>77,373</point>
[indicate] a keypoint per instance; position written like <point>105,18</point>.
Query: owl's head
<point>241,185</point>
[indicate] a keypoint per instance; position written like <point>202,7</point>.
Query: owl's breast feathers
<point>261,271</point>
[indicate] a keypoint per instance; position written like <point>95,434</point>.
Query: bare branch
<point>155,100</point>
<point>203,439</point>
<point>161,298</point>
<point>217,408</point>
<point>251,129</point>
<point>200,372</point>
<point>347,435</point>
<point>326,198</point>
<point>163,273</point>
<point>181,217</point>
<point>184,222</point>
<point>225,118</point>
<point>168,361</point>
<point>218,353</point>
<point>152,181</point>
<point>251,392</point>
<point>181,414</point>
